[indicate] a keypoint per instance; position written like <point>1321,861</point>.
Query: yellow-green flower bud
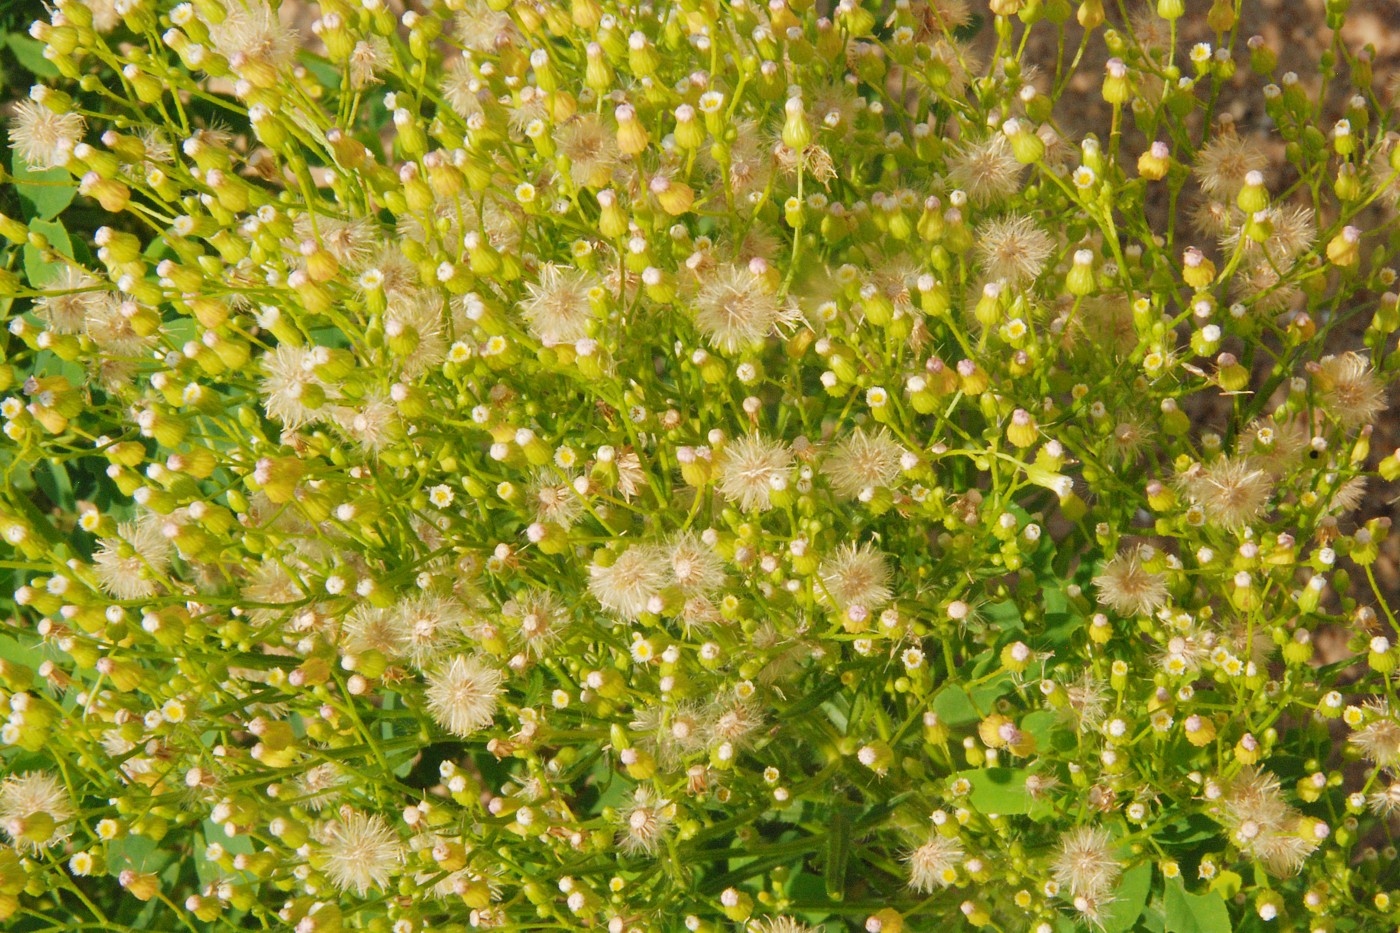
<point>797,133</point>
<point>1117,89</point>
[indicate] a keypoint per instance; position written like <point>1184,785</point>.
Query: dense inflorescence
<point>708,465</point>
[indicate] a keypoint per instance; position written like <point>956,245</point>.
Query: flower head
<point>128,565</point>
<point>541,618</point>
<point>42,138</point>
<point>735,308</point>
<point>1086,862</point>
<point>590,150</point>
<point>1231,491</point>
<point>986,170</point>
<point>462,694</point>
<point>1263,824</point>
<point>863,461</point>
<point>1013,248</point>
<point>934,864</point>
<point>645,823</point>
<point>749,467</point>
<point>255,42</point>
<point>73,298</point>
<point>1351,393</point>
<point>695,566</point>
<point>34,809</point>
<point>855,576</point>
<point>778,925</point>
<point>480,28</point>
<point>361,851</point>
<point>427,626</point>
<point>1379,740</point>
<point>419,314</point>
<point>1128,588</point>
<point>292,392</point>
<point>629,584</point>
<point>560,308</point>
<point>1222,164</point>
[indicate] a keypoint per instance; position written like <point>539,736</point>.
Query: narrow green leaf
<point>838,855</point>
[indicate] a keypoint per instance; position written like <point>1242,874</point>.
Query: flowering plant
<point>704,465</point>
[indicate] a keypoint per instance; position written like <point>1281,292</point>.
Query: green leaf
<point>999,790</point>
<point>43,194</point>
<point>1195,913</point>
<point>38,270</point>
<point>1129,900</point>
<point>1005,615</point>
<point>1227,884</point>
<point>838,855</point>
<point>207,871</point>
<point>1187,830</point>
<point>15,651</point>
<point>139,853</point>
<point>30,53</point>
<point>1047,726</point>
<point>955,707</point>
<point>57,485</point>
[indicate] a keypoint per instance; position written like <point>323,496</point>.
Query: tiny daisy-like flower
<point>361,851</point>
<point>863,461</point>
<point>34,810</point>
<point>1128,588</point>
<point>748,469</point>
<point>441,495</point>
<point>1013,248</point>
<point>462,694</point>
<point>934,864</point>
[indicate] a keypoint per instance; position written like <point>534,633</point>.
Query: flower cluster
<point>705,465</point>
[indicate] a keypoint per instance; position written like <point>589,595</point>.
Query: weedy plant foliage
<point>706,466</point>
